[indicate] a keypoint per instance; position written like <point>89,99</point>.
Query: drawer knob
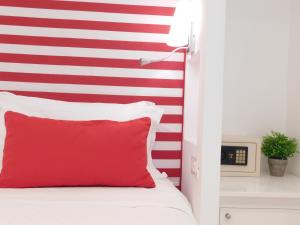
<point>228,216</point>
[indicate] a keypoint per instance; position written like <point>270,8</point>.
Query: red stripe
<point>87,61</point>
<point>90,80</point>
<point>83,24</point>
<point>103,98</point>
<point>89,6</point>
<point>171,172</point>
<point>172,119</point>
<point>166,154</point>
<point>84,43</point>
<point>168,136</point>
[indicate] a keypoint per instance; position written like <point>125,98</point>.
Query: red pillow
<point>45,152</point>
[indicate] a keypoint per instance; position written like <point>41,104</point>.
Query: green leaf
<point>279,146</point>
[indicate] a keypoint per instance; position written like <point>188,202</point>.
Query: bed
<point>87,51</point>
<point>163,205</point>
<point>82,183</point>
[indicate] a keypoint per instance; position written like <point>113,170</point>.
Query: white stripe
<point>168,3</point>
<point>90,89</point>
<point>98,89</point>
<point>175,180</point>
<point>167,145</point>
<point>85,34</point>
<point>84,15</point>
<point>169,128</point>
<point>91,71</point>
<point>172,110</point>
<point>87,52</point>
<point>167,163</point>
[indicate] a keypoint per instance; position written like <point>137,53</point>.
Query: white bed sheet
<point>163,205</point>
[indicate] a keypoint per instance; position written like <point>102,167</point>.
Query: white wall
<point>293,106</point>
<point>256,65</point>
<point>203,112</point>
<point>262,69</point>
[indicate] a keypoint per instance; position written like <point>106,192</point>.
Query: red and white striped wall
<point>88,50</point>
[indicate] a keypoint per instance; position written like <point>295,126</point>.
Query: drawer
<point>239,216</point>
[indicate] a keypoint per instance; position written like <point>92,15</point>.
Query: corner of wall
<point>293,95</point>
<point>203,125</point>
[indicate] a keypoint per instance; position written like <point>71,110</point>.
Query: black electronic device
<point>234,155</point>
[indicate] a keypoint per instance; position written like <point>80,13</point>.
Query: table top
<point>264,186</point>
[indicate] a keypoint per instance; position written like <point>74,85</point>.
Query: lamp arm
<point>145,61</point>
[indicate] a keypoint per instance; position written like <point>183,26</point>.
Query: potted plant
<point>278,148</point>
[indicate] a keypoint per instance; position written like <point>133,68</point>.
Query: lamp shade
<point>181,24</point>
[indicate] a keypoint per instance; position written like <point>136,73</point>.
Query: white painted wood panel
<point>232,216</point>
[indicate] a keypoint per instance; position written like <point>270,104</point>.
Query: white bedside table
<point>261,200</point>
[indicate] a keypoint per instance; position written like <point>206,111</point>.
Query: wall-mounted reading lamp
<point>181,33</point>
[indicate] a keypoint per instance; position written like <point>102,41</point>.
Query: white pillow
<point>53,109</point>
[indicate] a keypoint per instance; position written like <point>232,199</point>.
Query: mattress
<point>163,205</point>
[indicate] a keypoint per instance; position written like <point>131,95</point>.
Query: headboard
<point>88,50</point>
